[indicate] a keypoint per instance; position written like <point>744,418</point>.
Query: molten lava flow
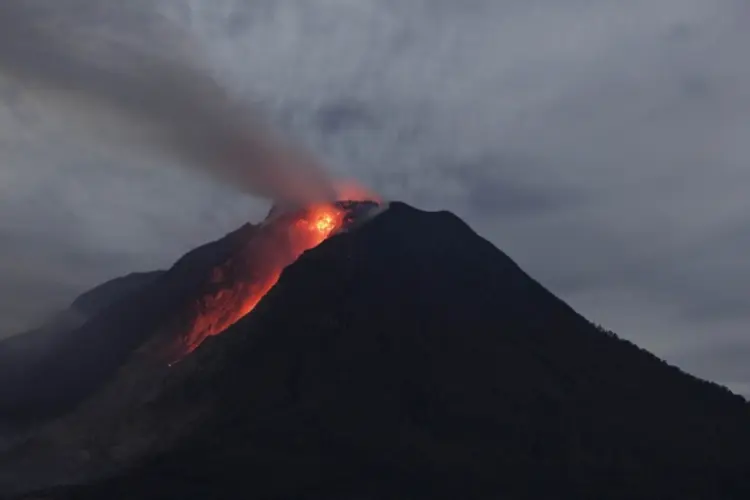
<point>237,286</point>
<point>321,221</point>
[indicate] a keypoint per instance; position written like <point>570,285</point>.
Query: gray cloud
<point>66,49</point>
<point>602,144</point>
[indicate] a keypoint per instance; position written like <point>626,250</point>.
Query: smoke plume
<point>167,94</point>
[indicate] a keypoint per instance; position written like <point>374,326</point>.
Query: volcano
<point>395,354</point>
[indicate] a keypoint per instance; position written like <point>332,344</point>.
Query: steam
<point>187,113</point>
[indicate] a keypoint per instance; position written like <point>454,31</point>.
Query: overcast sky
<point>603,144</point>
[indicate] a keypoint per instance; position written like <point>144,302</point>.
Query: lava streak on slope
<point>236,286</point>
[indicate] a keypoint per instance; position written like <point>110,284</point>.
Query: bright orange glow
<point>325,223</point>
<point>237,286</point>
<point>240,284</point>
<point>351,191</point>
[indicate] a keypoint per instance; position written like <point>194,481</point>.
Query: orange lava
<point>238,286</point>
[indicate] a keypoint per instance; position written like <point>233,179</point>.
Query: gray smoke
<point>163,92</point>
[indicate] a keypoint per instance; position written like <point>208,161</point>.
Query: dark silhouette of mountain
<point>19,353</point>
<point>103,296</point>
<point>411,358</point>
<point>85,306</point>
<point>43,374</point>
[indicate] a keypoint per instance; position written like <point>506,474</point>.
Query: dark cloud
<point>728,360</point>
<point>498,188</point>
<point>344,115</point>
<point>602,144</point>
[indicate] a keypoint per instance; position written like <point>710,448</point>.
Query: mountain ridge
<point>411,358</point>
<point>57,380</point>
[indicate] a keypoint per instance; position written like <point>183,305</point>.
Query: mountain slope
<point>413,359</point>
<point>22,353</point>
<point>99,298</point>
<point>43,374</point>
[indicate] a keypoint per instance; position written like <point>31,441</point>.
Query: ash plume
<point>168,95</point>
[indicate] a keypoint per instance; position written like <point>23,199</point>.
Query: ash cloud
<point>165,94</point>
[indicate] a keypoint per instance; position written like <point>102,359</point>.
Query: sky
<point>602,144</point>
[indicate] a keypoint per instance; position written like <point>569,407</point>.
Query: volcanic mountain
<point>403,357</point>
